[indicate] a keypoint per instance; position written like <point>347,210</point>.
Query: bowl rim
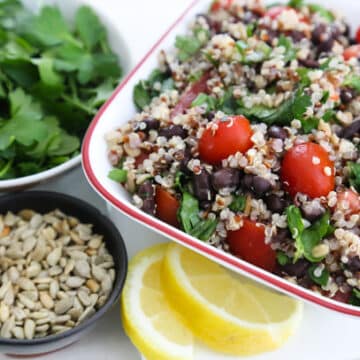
<point>25,181</point>
<point>181,237</point>
<point>120,274</point>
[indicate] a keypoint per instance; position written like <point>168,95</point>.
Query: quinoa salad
<point>247,137</point>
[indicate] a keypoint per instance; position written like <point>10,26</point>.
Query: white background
<point>323,335</point>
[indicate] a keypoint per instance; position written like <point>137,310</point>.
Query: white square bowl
<point>120,108</point>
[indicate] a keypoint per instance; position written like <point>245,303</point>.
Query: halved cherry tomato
<point>307,169</point>
<point>221,4</point>
<point>225,138</point>
<point>249,244</point>
<point>190,95</point>
<point>352,52</point>
<point>166,206</point>
<point>352,198</point>
<point>358,36</point>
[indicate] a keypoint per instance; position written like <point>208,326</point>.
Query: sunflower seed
<point>46,300</point>
<point>29,329</point>
<point>26,284</point>
<point>26,301</point>
<point>7,327</point>
<point>18,332</point>
<point>55,255</point>
<point>82,268</point>
<point>53,288</point>
<point>84,298</point>
<point>74,281</point>
<point>4,312</point>
<point>93,285</point>
<point>62,306</point>
<point>33,270</point>
<point>61,319</point>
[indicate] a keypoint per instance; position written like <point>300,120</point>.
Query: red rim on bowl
<point>217,255</point>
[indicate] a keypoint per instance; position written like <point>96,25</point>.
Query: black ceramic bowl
<point>43,202</point>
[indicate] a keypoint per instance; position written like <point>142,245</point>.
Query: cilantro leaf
<point>282,258</point>
<point>306,239</point>
<point>238,203</point>
<point>355,297</point>
<point>296,3</point>
<point>118,175</point>
<point>49,28</point>
<point>354,177</point>
<point>89,27</point>
<point>323,12</point>
<point>290,53</point>
<point>321,280</point>
<point>353,81</point>
<point>187,46</point>
<point>190,220</point>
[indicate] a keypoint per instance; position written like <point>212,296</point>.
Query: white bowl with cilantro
<point>59,62</point>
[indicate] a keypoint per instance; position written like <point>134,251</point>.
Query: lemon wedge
<point>152,325</point>
<point>225,311</point>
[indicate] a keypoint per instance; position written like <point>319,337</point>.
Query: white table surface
<point>323,335</point>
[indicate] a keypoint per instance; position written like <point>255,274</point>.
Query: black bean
<point>319,34</point>
<point>247,181</point>
<point>340,279</point>
<point>312,211</point>
<point>309,63</point>
<point>306,281</point>
<point>297,35</point>
<point>326,46</point>
<point>354,263</point>
<point>210,116</point>
<point>147,124</point>
<point>260,185</point>
<point>225,178</point>
<point>275,203</point>
<point>347,95</point>
<point>277,132</point>
<point>205,205</point>
<point>281,236</point>
<point>347,30</point>
<point>184,161</point>
<point>299,269</point>
<point>149,206</point>
<point>352,130</point>
<point>202,186</point>
<point>146,192</point>
<point>173,130</point>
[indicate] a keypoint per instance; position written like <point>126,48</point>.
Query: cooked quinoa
<point>286,70</point>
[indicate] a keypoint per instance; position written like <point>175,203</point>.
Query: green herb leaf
<point>354,177</point>
<point>238,203</point>
<point>296,227</point>
<point>49,28</point>
<point>355,297</point>
<point>306,239</point>
<point>296,3</point>
<point>300,104</point>
<point>190,220</point>
<point>89,27</point>
<point>353,81</point>
<point>323,12</point>
<point>118,175</point>
<point>309,124</point>
<point>321,280</point>
<point>187,46</point>
<point>282,258</point>
<point>290,52</point>
<point>205,100</point>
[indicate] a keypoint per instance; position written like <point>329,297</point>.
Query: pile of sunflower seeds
<point>54,273</point>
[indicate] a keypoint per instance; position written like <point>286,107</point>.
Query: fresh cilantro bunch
<point>53,79</point>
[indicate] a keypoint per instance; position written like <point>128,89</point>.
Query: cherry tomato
<point>352,198</point>
<point>190,95</point>
<point>221,4</point>
<point>166,206</point>
<point>307,169</point>
<point>224,138</point>
<point>352,52</point>
<point>249,244</point>
<point>358,36</point>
